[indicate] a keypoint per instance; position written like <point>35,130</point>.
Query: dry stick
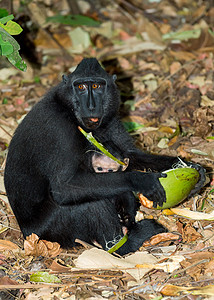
<point>3,122</point>
<point>3,167</point>
<point>167,78</point>
<point>6,131</point>
<point>130,6</point>
<point>9,227</point>
<point>124,12</point>
<point>28,286</point>
<point>74,7</point>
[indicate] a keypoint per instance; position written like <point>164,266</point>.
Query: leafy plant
<point>8,45</point>
<point>73,20</point>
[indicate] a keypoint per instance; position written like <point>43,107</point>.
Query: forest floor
<point>163,55</point>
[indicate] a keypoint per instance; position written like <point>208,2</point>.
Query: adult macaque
<point>49,192</point>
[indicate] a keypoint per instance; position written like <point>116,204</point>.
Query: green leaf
<point>44,277</point>
<point>12,28</point>
<point>16,60</point>
<point>13,57</point>
<point>132,126</point>
<point>5,47</point>
<point>3,12</point>
<point>92,140</point>
<point>73,20</point>
<point>8,38</point>
<point>6,19</point>
<point>182,35</point>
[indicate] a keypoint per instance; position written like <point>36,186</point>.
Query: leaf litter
<point>163,57</point>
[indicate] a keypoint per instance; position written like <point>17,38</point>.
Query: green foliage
<point>11,27</point>
<point>132,126</point>
<point>8,45</point>
<point>44,277</point>
<point>74,20</point>
<point>3,12</point>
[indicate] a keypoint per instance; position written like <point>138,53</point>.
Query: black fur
<point>48,191</point>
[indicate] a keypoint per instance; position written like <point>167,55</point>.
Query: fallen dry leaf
<point>5,280</point>
<point>209,270</point>
<point>204,118</point>
<point>193,215</point>
<point>173,290</point>
<point>56,267</point>
<point>100,259</point>
<point>189,234</point>
<point>161,237</point>
<point>7,245</point>
<point>136,264</point>
<point>34,246</point>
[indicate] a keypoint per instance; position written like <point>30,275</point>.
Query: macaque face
<point>104,164</point>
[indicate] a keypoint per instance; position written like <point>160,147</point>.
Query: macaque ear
<point>126,161</point>
<point>114,77</point>
<point>65,78</point>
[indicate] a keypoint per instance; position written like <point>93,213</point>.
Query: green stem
<point>119,244</point>
<point>92,140</point>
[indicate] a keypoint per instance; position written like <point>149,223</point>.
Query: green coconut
<point>177,185</point>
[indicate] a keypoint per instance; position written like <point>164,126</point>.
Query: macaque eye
<point>110,170</point>
<point>82,86</point>
<point>99,169</point>
<point>95,86</point>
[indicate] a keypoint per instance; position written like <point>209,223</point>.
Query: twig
<point>5,131</point>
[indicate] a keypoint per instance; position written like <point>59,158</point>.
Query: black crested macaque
<point>50,194</point>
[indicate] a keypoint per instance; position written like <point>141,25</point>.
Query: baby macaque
<point>104,164</point>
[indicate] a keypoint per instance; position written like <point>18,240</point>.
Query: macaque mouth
<point>95,120</point>
<point>91,123</point>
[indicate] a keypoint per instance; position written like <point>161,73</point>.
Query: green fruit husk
<point>177,185</point>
